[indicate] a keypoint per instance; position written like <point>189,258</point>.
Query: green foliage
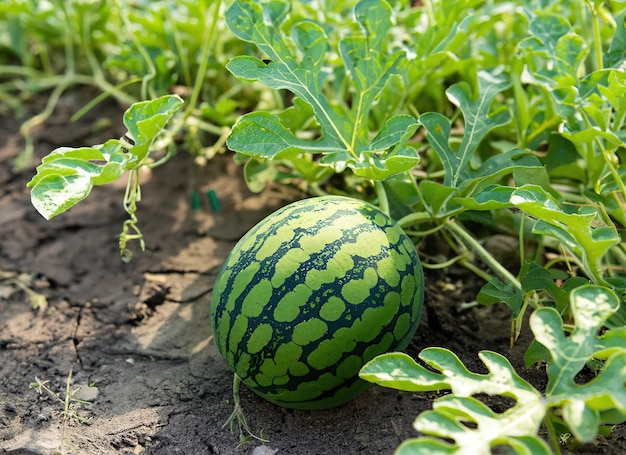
<point>549,89</point>
<point>460,120</point>
<point>566,403</point>
<point>67,175</point>
<point>345,135</point>
<point>478,122</point>
<point>131,51</point>
<point>583,232</point>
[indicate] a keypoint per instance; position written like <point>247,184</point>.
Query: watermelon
<point>311,294</point>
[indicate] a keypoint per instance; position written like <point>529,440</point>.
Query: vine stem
<point>470,241</point>
<point>204,59</point>
<point>238,415</point>
<point>552,433</point>
<point>383,202</point>
<point>414,218</point>
<point>597,37</point>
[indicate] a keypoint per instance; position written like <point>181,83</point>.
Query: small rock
<point>44,414</point>
<point>86,393</point>
<point>264,450</point>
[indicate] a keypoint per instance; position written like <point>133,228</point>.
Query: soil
<point>134,340</point>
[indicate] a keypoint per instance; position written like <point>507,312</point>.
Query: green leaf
<point>473,424</point>
<point>425,446</point>
<point>479,120</point>
<point>538,278</point>
<point>145,120</point>
<point>492,197</point>
<point>438,199</point>
<point>67,175</point>
<point>553,53</point>
<point>473,427</point>
<point>480,189</point>
<point>251,23</point>
<point>263,135</point>
<point>247,20</point>
<point>496,291</point>
<point>576,230</point>
<point>514,161</point>
<point>345,139</point>
<point>396,131</point>
<point>373,166</point>
<point>460,417</point>
<point>297,116</point>
<point>54,194</point>
<point>583,404</point>
<point>390,99</point>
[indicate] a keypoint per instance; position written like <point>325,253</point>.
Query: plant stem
<point>414,218</point>
<point>552,432</point>
<point>431,13</point>
<point>25,130</point>
<point>238,414</point>
<point>475,270</point>
<point>598,64</point>
<point>68,396</point>
<point>383,202</point>
<point>204,59</point>
<point>131,197</point>
<point>151,72</point>
<point>477,248</point>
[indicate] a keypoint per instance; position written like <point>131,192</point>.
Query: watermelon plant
<point>568,407</point>
<point>310,294</point>
<point>485,170</point>
<point>129,51</point>
<point>66,176</point>
<point>457,120</point>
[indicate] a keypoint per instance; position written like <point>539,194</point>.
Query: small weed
<point>23,282</point>
<point>69,402</point>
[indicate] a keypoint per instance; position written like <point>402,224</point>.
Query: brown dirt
<point>136,337</point>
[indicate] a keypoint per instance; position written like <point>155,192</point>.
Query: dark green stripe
<point>240,260</point>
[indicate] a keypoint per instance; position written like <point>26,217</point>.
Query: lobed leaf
<point>145,120</point>
<point>584,404</point>
<point>472,427</point>
<point>575,230</point>
<point>67,175</point>
<point>479,120</point>
<point>396,130</point>
<point>296,63</point>
<point>492,197</point>
<point>460,417</point>
<point>374,166</point>
<point>264,135</point>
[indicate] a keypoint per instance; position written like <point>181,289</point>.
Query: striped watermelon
<point>312,293</point>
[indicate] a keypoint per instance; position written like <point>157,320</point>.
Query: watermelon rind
<point>312,293</point>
